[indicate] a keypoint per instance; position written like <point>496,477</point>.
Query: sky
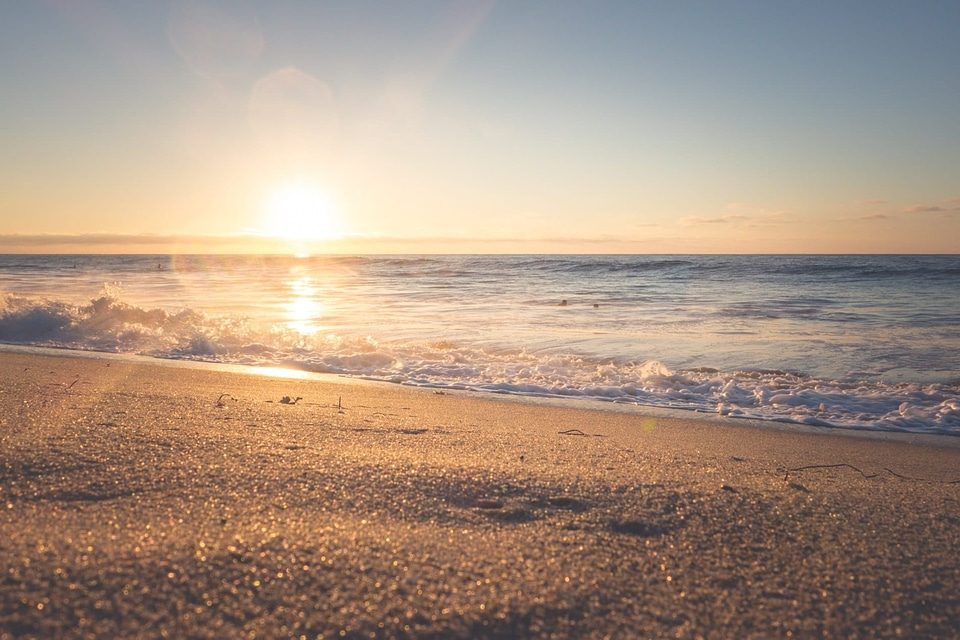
<point>518,126</point>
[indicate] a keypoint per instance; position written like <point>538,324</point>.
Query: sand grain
<point>134,505</point>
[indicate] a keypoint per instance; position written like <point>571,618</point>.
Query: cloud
<point>923,208</point>
<point>869,203</point>
<point>948,208</point>
<point>87,239</point>
<point>758,216</point>
<point>697,220</point>
<point>134,243</point>
<point>354,244</point>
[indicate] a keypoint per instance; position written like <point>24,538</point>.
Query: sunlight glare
<point>303,308</point>
<point>301,212</point>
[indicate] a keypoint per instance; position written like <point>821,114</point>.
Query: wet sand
<point>140,500</point>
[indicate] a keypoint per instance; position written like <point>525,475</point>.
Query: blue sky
<point>481,126</point>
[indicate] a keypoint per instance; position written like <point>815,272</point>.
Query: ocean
<point>851,342</point>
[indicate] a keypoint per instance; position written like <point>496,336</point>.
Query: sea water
<point>865,342</point>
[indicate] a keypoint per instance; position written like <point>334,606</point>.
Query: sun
<point>301,212</point>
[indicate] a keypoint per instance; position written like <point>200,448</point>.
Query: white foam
<point>109,324</point>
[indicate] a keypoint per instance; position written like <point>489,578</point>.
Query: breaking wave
<point>109,324</point>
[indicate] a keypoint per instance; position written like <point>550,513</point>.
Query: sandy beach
<point>149,500</point>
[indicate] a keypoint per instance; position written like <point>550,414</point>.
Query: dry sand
<point>131,504</point>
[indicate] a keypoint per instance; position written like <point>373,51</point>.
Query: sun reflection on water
<point>303,309</point>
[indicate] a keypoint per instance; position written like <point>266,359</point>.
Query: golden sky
<point>480,127</point>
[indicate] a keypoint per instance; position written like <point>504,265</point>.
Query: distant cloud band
<point>86,239</point>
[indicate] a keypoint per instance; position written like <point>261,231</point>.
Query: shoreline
<point>150,500</point>
<point>568,402</point>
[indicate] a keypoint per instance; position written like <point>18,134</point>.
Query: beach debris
<point>596,306</point>
<point>729,488</point>
<point>563,303</point>
<point>578,432</point>
<point>290,400</point>
<point>222,400</point>
<point>868,476</point>
<point>339,404</point>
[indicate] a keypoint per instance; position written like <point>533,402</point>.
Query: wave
<point>107,323</point>
<point>604,265</point>
<point>869,268</point>
<point>858,268</point>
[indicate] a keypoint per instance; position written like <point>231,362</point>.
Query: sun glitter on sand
<point>136,506</point>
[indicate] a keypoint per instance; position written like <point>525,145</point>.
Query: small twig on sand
<point>868,476</point>
<point>221,402</point>
<point>578,432</point>
<point>339,404</point>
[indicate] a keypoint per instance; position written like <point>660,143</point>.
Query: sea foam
<point>109,324</point>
